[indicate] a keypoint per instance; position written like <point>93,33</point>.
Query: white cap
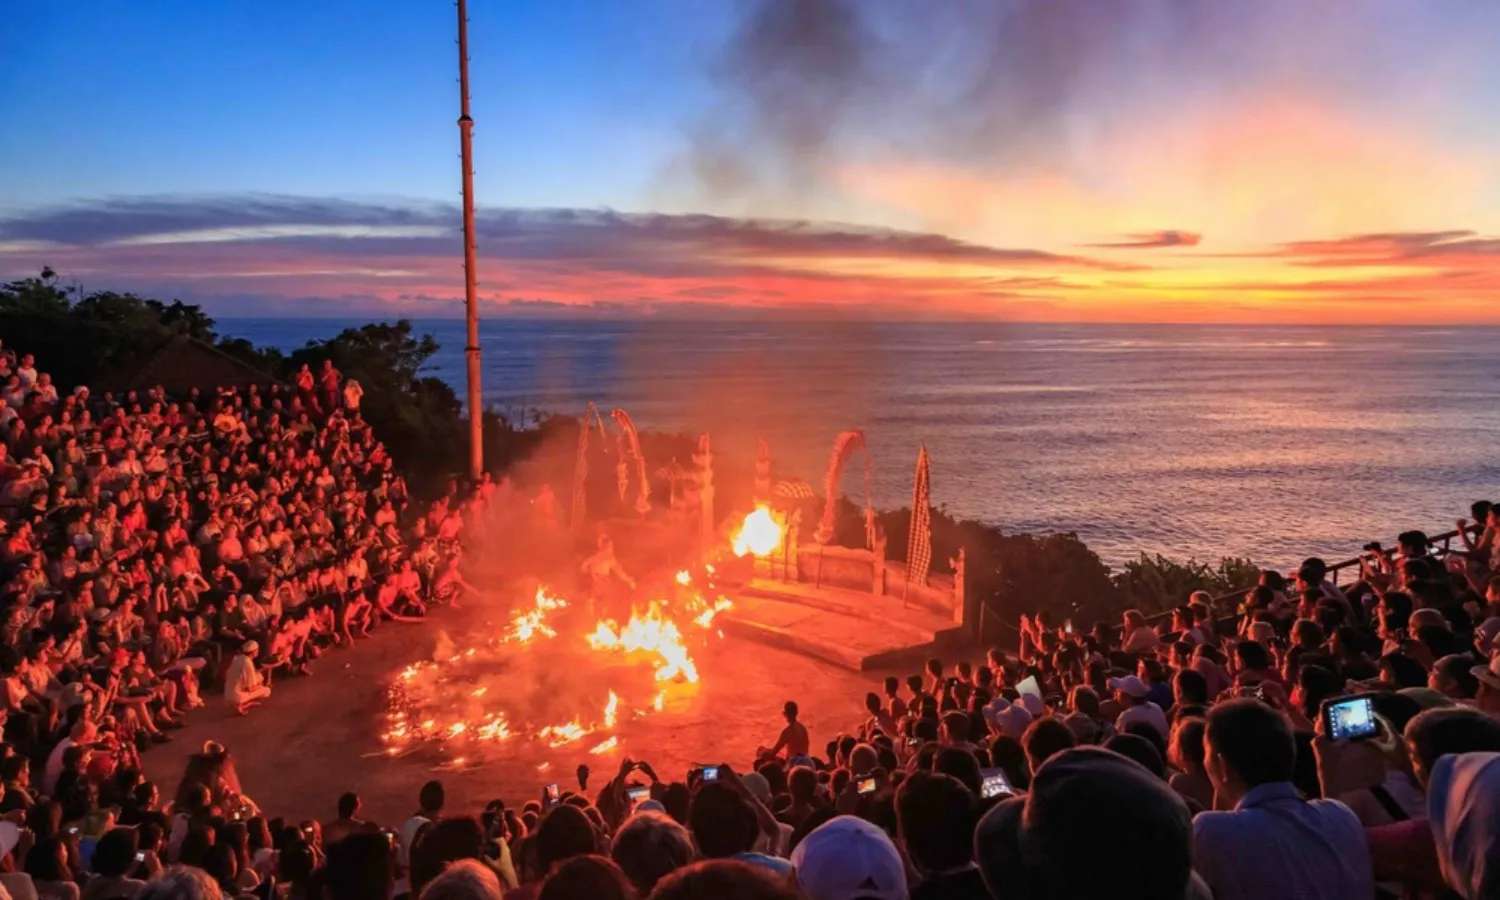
<point>1262,632</point>
<point>1007,718</point>
<point>847,858</point>
<point>1130,685</point>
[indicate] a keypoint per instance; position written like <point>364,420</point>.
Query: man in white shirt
<point>430,802</point>
<point>1271,842</point>
<point>83,732</point>
<point>1132,693</point>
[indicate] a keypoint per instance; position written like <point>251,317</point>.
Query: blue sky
<point>1026,159</point>
<point>576,103</point>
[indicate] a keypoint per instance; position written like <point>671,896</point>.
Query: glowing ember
<point>705,619</point>
<point>496,729</point>
<point>558,735</point>
<point>532,622</point>
<point>760,535</point>
<point>684,577</point>
<point>650,633</point>
<point>605,746</point>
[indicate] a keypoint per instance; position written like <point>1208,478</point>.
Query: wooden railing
<point>1441,546</point>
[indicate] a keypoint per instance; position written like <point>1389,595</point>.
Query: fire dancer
<point>606,575</point>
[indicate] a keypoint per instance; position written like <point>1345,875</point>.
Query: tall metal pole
<point>471,301</point>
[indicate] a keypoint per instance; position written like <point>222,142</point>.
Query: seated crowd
<point>154,548</point>
<point>1216,753</point>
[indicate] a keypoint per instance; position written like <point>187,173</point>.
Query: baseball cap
<point>757,785</point>
<point>847,858</point>
<point>1489,674</point>
<point>1006,717</point>
<point>1130,685</point>
<point>1487,633</point>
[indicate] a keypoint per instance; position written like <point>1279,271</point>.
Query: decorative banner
<point>919,541</point>
<point>844,445</point>
<point>581,467</point>
<point>630,450</point>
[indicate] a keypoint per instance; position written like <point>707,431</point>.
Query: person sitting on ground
<point>244,687</point>
<point>1269,841</point>
<point>794,739</point>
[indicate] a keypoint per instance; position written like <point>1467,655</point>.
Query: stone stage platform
<point>853,630</point>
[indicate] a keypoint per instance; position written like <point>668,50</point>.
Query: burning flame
<point>496,729</point>
<point>760,534</point>
<point>605,746</point>
<point>529,624</point>
<point>558,735</point>
<point>705,619</point>
<point>611,710</point>
<point>650,633</point>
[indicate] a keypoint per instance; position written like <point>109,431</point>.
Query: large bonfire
<point>465,700</point>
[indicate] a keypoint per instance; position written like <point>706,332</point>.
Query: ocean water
<point>1272,443</point>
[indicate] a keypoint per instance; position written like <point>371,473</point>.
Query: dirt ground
<point>320,736</point>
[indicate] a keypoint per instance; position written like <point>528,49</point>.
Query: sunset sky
<point>1068,160</point>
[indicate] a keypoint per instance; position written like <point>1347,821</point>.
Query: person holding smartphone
<point>1255,843</point>
<point>120,866</point>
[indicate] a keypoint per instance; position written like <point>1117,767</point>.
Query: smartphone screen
<point>993,783</point>
<point>141,856</point>
<point>553,793</point>
<point>1350,718</point>
<point>638,792</point>
<point>867,786</point>
<point>1028,685</point>
<point>710,773</point>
